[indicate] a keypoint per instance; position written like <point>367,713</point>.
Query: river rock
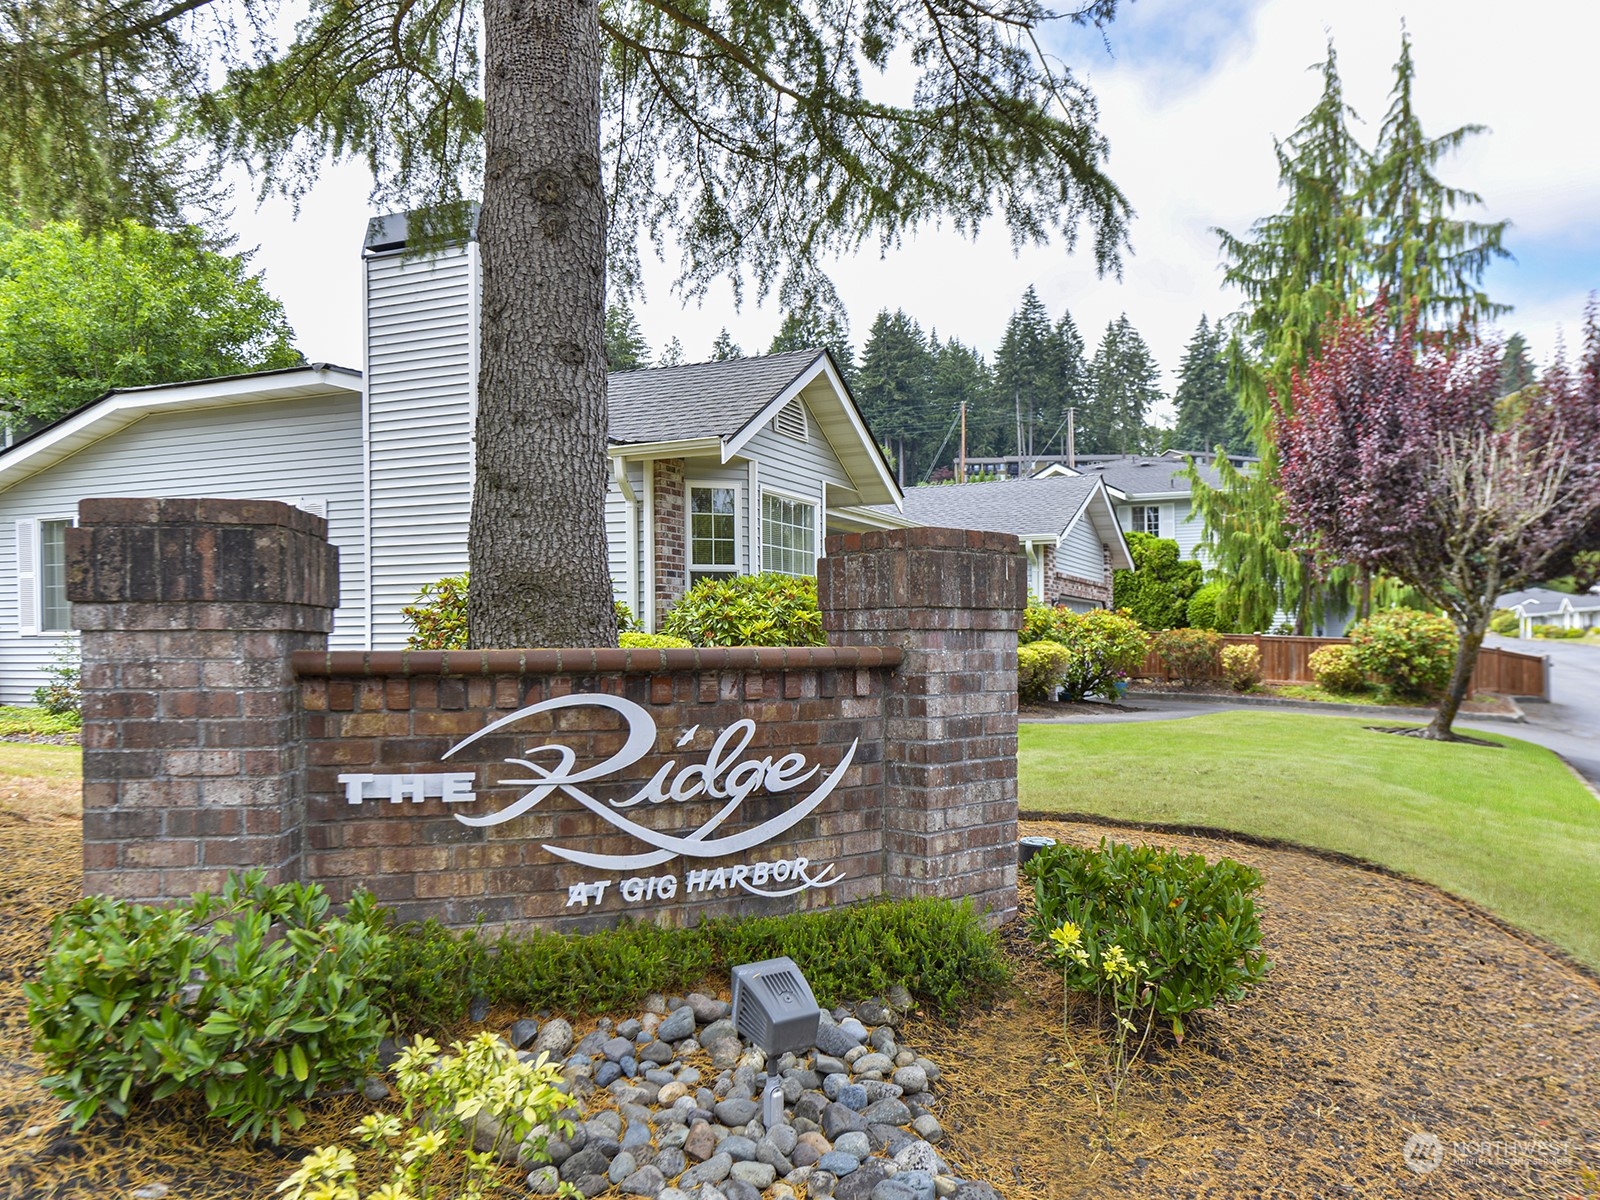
<point>734,1112</point>
<point>714,1170</point>
<point>717,1030</point>
<point>676,1027</point>
<point>838,1163</point>
<point>705,1008</point>
<point>886,1112</point>
<point>834,1041</point>
<point>646,1181</point>
<point>555,1039</point>
<point>911,1079</point>
<point>701,1143</point>
<point>928,1128</point>
<point>837,1119</point>
<point>544,1181</point>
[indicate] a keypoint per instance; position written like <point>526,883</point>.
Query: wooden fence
<point>1287,660</point>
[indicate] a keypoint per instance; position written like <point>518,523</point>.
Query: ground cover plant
<point>1472,820</point>
<point>20,722</point>
<point>943,953</point>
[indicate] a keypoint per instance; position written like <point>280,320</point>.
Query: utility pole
<point>961,474</point>
<point>1016,400</point>
<point>1072,439</point>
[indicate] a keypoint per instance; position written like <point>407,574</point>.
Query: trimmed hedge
<point>943,953</point>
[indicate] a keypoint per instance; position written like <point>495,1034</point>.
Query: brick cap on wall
<point>589,660</point>
<point>922,537</point>
<point>173,511</point>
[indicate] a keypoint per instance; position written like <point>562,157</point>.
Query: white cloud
<point>1190,106</point>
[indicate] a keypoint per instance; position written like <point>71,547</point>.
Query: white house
<point>1151,494</point>
<point>717,468</point>
<point>1546,606</point>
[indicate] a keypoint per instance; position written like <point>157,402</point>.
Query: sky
<point>1191,94</point>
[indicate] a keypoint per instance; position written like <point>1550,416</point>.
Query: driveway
<point>1569,724</point>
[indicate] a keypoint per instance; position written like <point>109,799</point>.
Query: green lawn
<point>1509,828</point>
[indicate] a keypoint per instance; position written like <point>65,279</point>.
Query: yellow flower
<point>1065,936</point>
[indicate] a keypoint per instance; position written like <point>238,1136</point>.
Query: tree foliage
<point>893,387</point>
<point>1208,412</point>
<point>626,346</point>
<point>1355,226</point>
<point>1399,456</point>
<point>1157,591</point>
<point>1124,382</point>
<point>80,315</point>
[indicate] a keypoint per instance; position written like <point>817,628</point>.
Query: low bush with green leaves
<point>943,953</point>
<point>463,1114</point>
<point>1190,656</point>
<point>1557,633</point>
<point>62,693</point>
<point>18,722</point>
<point>1505,623</point>
<point>252,999</point>
<point>748,610</point>
<point>438,617</point>
<point>1241,666</point>
<point>1204,609</point>
<point>652,641</point>
<point>1103,648</point>
<point>1336,669</point>
<point>1156,593</point>
<point>1041,667</point>
<point>1407,653</point>
<point>1185,928</point>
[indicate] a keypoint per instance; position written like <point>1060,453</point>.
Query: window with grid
<point>1147,519</point>
<point>713,531</point>
<point>55,613</point>
<point>788,535</point>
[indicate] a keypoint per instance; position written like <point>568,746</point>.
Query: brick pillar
<point>952,601</point>
<point>671,534</point>
<point>192,747</point>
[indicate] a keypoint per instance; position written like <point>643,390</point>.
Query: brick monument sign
<point>556,788</point>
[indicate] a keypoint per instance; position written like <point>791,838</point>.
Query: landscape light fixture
<point>773,1007</point>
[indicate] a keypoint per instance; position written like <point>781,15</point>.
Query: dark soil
<point>1392,1009</point>
<point>1076,708</point>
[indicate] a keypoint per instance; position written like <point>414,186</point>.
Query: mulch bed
<point>1392,1010</point>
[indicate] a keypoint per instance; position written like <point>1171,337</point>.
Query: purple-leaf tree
<point>1402,457</point>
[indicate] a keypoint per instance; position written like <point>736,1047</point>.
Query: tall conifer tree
<point>1208,414</point>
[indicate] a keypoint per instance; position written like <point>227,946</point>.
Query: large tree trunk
<point>538,544</point>
<point>1460,678</point>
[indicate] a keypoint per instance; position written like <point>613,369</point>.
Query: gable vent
<point>791,420</point>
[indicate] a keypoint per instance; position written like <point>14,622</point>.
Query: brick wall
<point>192,747</point>
<point>384,713</point>
<point>1061,587</point>
<point>217,727</point>
<point>670,535</point>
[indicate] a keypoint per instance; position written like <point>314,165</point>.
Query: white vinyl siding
<point>799,469</point>
<point>292,450</point>
<point>1178,520</point>
<point>421,384</point>
<point>1080,554</point>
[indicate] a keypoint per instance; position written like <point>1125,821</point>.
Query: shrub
<point>1191,925</point>
<point>1241,666</point>
<point>1408,653</point>
<point>438,619</point>
<point>651,641</point>
<point>1103,649</point>
<point>490,1099</point>
<point>943,953</point>
<point>1190,655</point>
<point>1205,609</point>
<point>1038,622</point>
<point>1504,622</point>
<point>1335,668</point>
<point>1157,591</point>
<point>62,695</point>
<point>1041,666</point>
<point>36,722</point>
<point>1556,632</point>
<point>749,610</point>
<point>253,1000</point>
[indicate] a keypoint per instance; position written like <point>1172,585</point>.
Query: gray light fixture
<point>773,1007</point>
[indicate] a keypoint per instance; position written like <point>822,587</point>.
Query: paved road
<point>1569,724</point>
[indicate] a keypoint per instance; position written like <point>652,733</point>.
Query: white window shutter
<point>1169,527</point>
<point>28,577</point>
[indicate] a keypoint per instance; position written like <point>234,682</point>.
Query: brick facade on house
<point>1061,588</point>
<point>217,726</point>
<point>670,534</point>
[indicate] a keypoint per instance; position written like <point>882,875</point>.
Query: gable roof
<point>1041,509</point>
<point>1139,477</point>
<point>717,407</point>
<point>121,407</point>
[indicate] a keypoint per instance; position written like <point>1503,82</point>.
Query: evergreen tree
<point>818,326</point>
<point>1516,365</point>
<point>960,376</point>
<point>1124,382</point>
<point>671,354</point>
<point>1424,257</point>
<point>1027,378</point>
<point>626,348</point>
<point>725,347</point>
<point>893,388</point>
<point>1208,414</point>
<point>1074,380</point>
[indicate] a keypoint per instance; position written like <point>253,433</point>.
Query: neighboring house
<point>1546,606</point>
<point>1066,525</point>
<point>1151,494</point>
<point>717,468</point>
